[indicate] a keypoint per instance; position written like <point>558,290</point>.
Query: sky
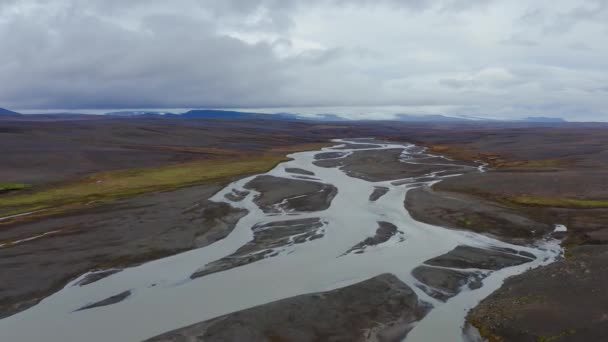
<point>359,58</point>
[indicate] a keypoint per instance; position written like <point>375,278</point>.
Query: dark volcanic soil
<point>357,146</point>
<point>444,276</point>
<point>283,194</point>
<point>379,309</point>
<point>566,301</point>
<point>299,171</point>
<point>461,211</point>
<point>124,233</point>
<point>42,151</point>
<point>443,283</point>
<point>108,301</point>
<point>473,257</point>
<point>330,155</point>
<point>384,232</point>
<point>575,183</point>
<point>379,191</point>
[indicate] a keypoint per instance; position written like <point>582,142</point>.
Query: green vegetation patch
<point>517,201</point>
<point>559,202</point>
<point>556,337</point>
<point>111,185</point>
<point>539,163</point>
<point>485,332</point>
<point>495,160</point>
<point>13,186</point>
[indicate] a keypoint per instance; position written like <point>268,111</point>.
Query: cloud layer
<point>480,58</point>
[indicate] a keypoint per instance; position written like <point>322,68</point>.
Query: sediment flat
<point>318,317</point>
<point>384,232</point>
<point>268,240</point>
<point>284,194</point>
<point>379,191</point>
<point>465,257</point>
<point>384,165</point>
<point>462,211</point>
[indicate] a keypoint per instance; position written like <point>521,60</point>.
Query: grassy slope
<point>494,159</point>
<point>498,162</point>
<point>112,185</point>
<point>559,202</point>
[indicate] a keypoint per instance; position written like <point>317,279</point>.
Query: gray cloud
<point>520,41</point>
<point>483,57</point>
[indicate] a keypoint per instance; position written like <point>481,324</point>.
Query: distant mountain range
<point>542,119</point>
<point>444,118</point>
<point>6,112</point>
<point>136,113</point>
<point>429,118</point>
<point>223,114</point>
<point>229,114</point>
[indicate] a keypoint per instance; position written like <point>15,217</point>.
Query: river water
<point>165,298</point>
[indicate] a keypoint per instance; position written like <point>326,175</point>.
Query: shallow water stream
<point>164,297</point>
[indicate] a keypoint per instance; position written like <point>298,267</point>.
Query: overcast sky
<point>366,58</point>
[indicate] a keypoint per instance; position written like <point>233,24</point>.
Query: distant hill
<point>227,114</point>
<point>327,117</point>
<point>136,113</point>
<point>428,118</point>
<point>543,119</point>
<point>444,118</point>
<point>230,114</point>
<point>204,114</point>
<point>222,114</point>
<point>6,112</point>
